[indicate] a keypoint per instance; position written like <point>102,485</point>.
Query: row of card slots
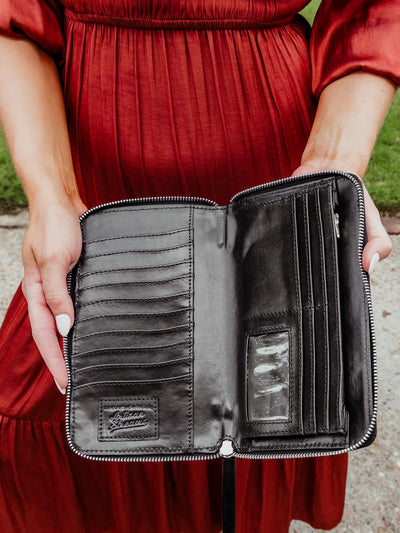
<point>297,332</point>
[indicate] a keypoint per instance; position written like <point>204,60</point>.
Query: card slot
<point>321,318</point>
<point>143,321</point>
<point>136,340</point>
<point>137,260</point>
<point>122,349</point>
<point>144,355</point>
<point>138,251</point>
<point>309,372</point>
<point>317,249</point>
<point>132,316</point>
<point>116,244</point>
<point>126,305</point>
<point>135,236</point>
<point>268,258</point>
<point>128,283</point>
<point>134,365</point>
<point>337,411</point>
<point>117,373</point>
<point>304,260</point>
<point>135,277</point>
<point>160,331</point>
<point>132,382</point>
<point>141,220</point>
<point>281,443</point>
<point>83,274</point>
<point>128,300</point>
<point>321,369</point>
<point>139,291</point>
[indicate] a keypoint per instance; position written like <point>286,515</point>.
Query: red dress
<point>201,98</point>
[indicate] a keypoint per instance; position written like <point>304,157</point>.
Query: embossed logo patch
<point>131,418</point>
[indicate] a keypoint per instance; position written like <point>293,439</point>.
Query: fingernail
<point>61,389</point>
<point>374,261</point>
<point>63,324</point>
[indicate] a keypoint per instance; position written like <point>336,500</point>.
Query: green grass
<point>382,177</point>
<point>12,194</point>
<point>310,10</point>
<point>383,174</point>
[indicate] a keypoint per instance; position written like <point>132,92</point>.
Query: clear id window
<point>268,376</point>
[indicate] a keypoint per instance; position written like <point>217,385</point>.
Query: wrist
<point>317,161</point>
<point>55,196</point>
<point>333,143</point>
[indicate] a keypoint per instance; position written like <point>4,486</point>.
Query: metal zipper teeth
<point>149,200</point>
<point>289,179</point>
<point>369,303</point>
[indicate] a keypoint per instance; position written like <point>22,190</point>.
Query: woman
<point>166,98</point>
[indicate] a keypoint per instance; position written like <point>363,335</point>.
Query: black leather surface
<point>169,296</point>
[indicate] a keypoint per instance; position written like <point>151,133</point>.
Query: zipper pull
<point>226,449</point>
<point>336,215</point>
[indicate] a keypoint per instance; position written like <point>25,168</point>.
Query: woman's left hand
<point>379,244</point>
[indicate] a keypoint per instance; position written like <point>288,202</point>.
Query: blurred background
<point>373,490</point>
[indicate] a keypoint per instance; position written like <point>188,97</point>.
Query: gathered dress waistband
<point>176,24</point>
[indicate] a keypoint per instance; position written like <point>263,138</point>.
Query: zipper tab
<point>336,215</point>
<point>226,449</point>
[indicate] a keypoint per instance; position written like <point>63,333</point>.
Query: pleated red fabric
<point>173,97</point>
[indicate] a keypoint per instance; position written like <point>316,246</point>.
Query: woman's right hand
<point>51,247</point>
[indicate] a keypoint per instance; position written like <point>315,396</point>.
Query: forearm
<point>33,118</point>
<point>349,115</point>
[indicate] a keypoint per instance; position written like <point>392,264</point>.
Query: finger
<point>54,280</point>
<point>43,328</point>
<point>379,244</point>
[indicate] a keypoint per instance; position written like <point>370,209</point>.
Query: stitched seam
<point>299,314</point>
<point>136,332</point>
<point>180,361</point>
<point>153,251</point>
<point>134,349</point>
<point>134,315</point>
<point>318,214</point>
<point>170,297</point>
<point>191,333</point>
<point>127,269</point>
<point>123,283</point>
<point>310,311</point>
<point>339,442</point>
<point>338,350</point>
<point>172,232</point>
<point>285,197</point>
<point>136,382</point>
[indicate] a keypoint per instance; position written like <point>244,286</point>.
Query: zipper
<point>226,448</point>
<point>150,200</point>
<point>284,181</point>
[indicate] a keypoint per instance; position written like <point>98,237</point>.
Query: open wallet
<point>242,330</point>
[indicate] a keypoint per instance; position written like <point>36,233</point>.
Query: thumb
<point>379,244</point>
<point>54,276</point>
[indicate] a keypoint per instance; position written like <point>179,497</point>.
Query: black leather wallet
<point>204,330</point>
